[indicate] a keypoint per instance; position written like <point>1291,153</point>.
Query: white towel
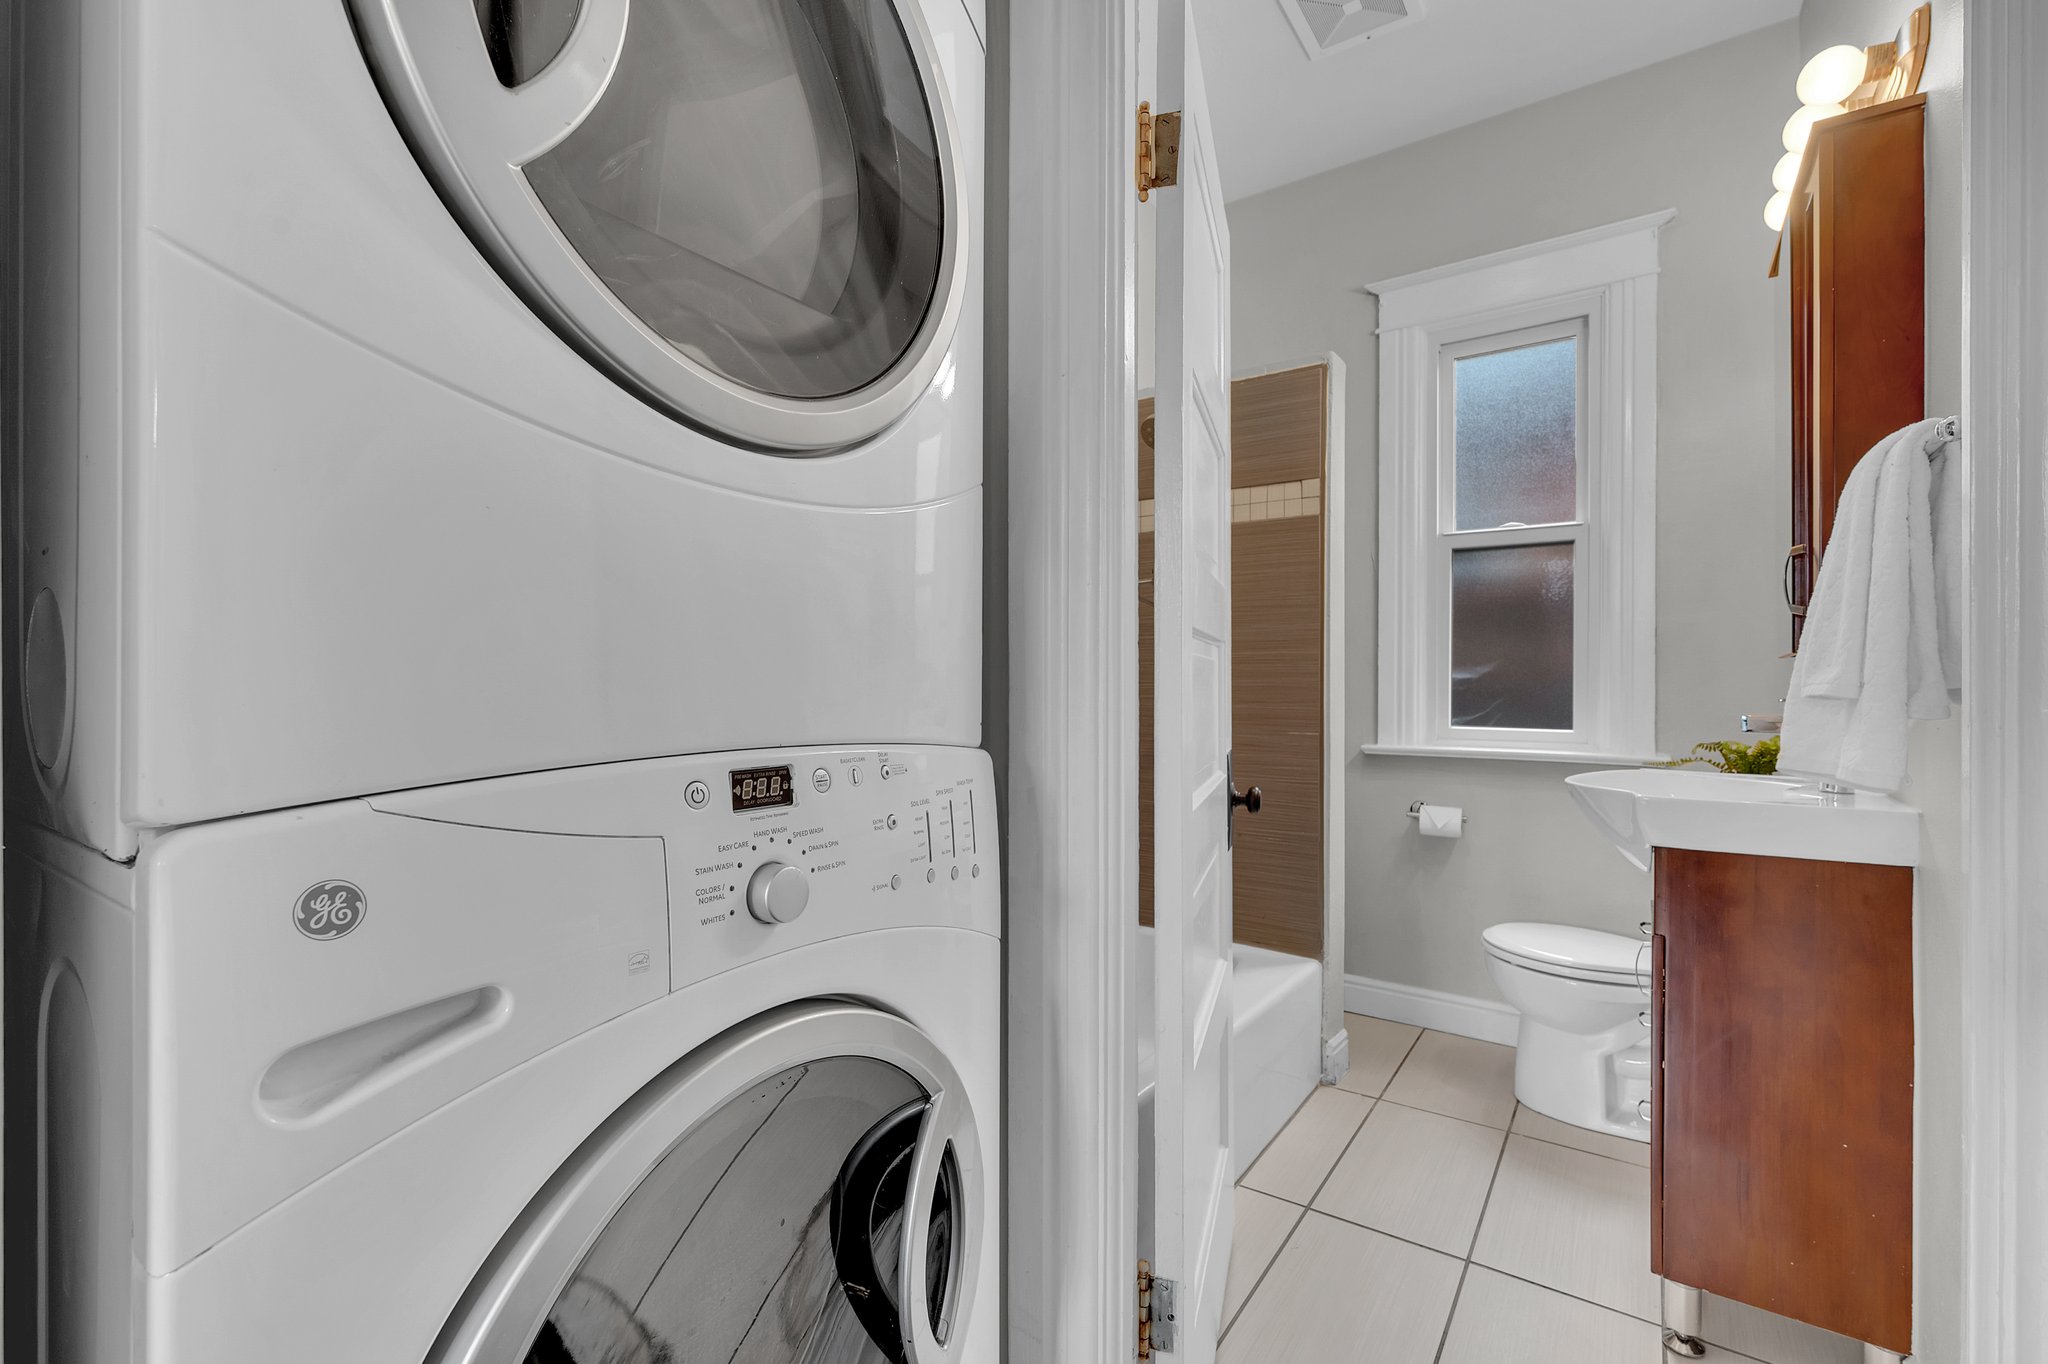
<point>1879,647</point>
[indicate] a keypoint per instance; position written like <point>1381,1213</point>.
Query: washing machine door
<point>745,211</point>
<point>806,1190</point>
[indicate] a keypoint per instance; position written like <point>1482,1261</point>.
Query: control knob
<point>777,892</point>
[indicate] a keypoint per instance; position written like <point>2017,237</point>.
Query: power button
<point>697,794</point>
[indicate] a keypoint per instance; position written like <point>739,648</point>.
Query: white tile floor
<point>1416,1214</point>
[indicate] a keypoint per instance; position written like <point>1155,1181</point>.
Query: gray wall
<point>1698,134</point>
<point>1936,783</point>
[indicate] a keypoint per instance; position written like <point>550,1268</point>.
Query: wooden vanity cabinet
<point>1781,1151</point>
<point>1855,243</point>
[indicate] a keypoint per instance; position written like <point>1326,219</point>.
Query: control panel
<point>769,849</point>
<point>798,845</point>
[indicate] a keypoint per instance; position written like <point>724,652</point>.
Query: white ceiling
<point>1280,117</point>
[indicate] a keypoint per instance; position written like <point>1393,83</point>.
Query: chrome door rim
<point>502,1311</point>
<point>473,137</point>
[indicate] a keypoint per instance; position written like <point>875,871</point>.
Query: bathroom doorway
<point>1286,433</point>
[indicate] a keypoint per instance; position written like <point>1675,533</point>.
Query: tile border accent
<point>1486,1020</point>
<point>1260,502</point>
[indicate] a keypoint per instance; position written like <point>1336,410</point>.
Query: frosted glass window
<point>1511,637</point>
<point>1516,448</point>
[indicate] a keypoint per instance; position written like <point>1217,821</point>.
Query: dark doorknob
<point>1250,800</point>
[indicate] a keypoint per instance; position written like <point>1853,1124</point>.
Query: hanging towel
<point>1879,649</point>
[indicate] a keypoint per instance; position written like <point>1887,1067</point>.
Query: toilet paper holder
<point>1415,811</point>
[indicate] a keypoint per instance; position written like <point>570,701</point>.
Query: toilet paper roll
<point>1441,821</point>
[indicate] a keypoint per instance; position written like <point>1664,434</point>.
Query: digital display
<point>762,788</point>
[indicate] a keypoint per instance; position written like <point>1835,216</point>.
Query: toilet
<point>1583,1053</point>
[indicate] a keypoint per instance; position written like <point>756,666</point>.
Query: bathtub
<point>1276,1050</point>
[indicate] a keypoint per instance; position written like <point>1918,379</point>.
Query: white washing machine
<point>410,391</point>
<point>683,1059</point>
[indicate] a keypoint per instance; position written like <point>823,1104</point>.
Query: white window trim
<point>1606,276</point>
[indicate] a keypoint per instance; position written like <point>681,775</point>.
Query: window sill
<point>1527,755</point>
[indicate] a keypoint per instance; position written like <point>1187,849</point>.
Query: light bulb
<point>1786,173</point>
<point>1832,76</point>
<point>1775,209</point>
<point>1799,127</point>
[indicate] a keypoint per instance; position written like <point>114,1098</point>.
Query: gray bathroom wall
<point>1698,134</point>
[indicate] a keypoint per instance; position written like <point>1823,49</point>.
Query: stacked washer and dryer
<point>499,867</point>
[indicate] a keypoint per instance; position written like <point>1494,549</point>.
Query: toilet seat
<point>1573,953</point>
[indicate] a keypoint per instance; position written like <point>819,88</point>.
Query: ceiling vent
<point>1326,25</point>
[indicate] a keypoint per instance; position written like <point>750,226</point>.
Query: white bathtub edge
<point>1488,1020</point>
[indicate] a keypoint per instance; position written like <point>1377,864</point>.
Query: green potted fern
<point>1759,759</point>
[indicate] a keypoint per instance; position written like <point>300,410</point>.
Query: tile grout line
<point>1617,1311</point>
<point>1413,1043</point>
<point>1303,1209</point>
<point>1253,1163</point>
<point>1444,1338</point>
<point>1465,1271</point>
<point>1567,1146</point>
<point>1300,1216</point>
<point>1306,1208</point>
<point>1472,1122</point>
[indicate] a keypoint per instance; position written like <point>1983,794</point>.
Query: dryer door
<point>824,1209</point>
<point>745,211</point>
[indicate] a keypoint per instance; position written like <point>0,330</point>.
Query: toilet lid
<point>1566,950</point>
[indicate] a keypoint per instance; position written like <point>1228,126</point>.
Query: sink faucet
<point>1763,724</point>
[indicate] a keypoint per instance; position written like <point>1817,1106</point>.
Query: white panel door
<point>1191,714</point>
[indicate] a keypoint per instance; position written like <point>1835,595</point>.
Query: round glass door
<point>771,1233</point>
<point>745,211</point>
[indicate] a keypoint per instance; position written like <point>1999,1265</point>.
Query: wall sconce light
<point>1799,127</point>
<point>1832,76</point>
<point>1839,79</point>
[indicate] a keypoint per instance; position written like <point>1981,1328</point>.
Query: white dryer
<point>411,391</point>
<point>671,1060</point>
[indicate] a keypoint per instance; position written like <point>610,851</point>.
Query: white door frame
<point>1072,920</point>
<point>2005,743</point>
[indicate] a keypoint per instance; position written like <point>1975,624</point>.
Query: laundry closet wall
<point>1697,134</point>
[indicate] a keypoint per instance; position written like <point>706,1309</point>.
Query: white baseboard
<point>1336,1057</point>
<point>1489,1020</point>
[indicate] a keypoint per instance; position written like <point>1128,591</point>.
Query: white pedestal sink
<point>1656,807</point>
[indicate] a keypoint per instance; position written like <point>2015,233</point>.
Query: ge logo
<point>330,909</point>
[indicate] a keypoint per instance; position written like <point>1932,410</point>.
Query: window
<point>1518,504</point>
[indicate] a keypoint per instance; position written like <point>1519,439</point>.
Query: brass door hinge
<point>1158,150</point>
<point>1157,1323</point>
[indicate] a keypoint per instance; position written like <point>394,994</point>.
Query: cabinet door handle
<point>1796,552</point>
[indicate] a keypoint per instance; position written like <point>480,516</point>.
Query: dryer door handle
<point>870,1203</point>
<point>938,1235</point>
